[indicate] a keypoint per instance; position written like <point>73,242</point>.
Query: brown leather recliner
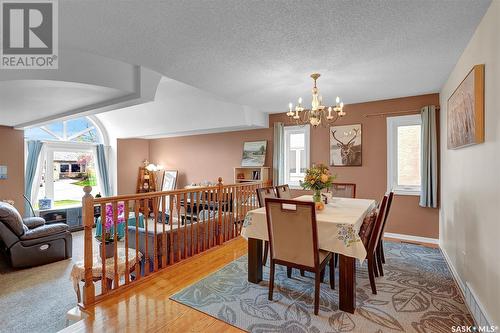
<point>29,241</point>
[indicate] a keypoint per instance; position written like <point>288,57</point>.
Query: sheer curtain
<point>32,172</point>
<point>429,158</point>
<point>278,154</point>
<point>103,170</point>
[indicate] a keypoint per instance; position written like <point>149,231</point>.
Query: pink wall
<point>209,156</point>
<point>12,155</point>
<point>130,155</point>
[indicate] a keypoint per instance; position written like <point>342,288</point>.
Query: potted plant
<point>317,178</point>
<point>107,236</point>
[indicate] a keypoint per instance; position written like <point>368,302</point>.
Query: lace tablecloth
<point>78,270</point>
<point>338,225</point>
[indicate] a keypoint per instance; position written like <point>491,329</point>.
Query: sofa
<point>31,241</point>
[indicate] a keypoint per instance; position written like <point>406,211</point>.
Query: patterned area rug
<point>417,294</point>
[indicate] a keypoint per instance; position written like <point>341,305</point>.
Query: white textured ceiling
<point>260,53</point>
<point>25,100</point>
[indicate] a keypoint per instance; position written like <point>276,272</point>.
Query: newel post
<point>220,188</point>
<point>88,222</point>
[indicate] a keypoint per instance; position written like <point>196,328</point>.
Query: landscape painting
<point>254,154</point>
<point>465,112</point>
<point>345,145</point>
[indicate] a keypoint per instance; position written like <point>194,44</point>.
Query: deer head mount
<point>346,149</point>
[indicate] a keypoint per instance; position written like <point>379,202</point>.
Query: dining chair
<point>283,191</point>
<point>262,194</point>
<point>343,190</point>
<point>293,241</point>
<point>370,240</point>
<point>380,246</point>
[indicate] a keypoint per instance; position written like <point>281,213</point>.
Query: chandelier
<point>318,114</point>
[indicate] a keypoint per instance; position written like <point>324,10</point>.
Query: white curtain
<point>278,154</point>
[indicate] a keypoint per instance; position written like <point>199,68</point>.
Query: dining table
<point>338,227</point>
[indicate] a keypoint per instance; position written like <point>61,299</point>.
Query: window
<point>403,154</point>
<point>296,154</point>
<point>67,161</point>
<point>81,130</point>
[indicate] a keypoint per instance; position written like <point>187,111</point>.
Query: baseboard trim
<point>471,300</point>
<point>411,238</point>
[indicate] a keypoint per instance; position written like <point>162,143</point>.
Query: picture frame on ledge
<point>169,181</point>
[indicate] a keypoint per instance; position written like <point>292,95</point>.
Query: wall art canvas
<point>254,154</point>
<point>345,145</point>
<point>465,111</point>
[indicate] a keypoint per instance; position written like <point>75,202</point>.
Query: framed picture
<point>254,154</point>
<point>465,111</point>
<point>3,172</point>
<point>169,181</point>
<point>345,145</point>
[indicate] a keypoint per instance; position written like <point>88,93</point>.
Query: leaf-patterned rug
<point>417,294</point>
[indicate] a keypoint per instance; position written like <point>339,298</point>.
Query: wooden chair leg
<point>336,259</point>
<point>302,273</point>
<point>382,255</point>
<point>379,263</point>
<point>374,265</point>
<point>371,276</point>
<point>322,276</point>
<point>271,281</point>
<point>332,272</point>
<point>266,250</point>
<point>317,282</point>
<point>289,272</point>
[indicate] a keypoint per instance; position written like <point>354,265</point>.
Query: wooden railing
<point>169,227</point>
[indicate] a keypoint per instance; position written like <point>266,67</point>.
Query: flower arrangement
<point>109,222</point>
<point>317,178</point>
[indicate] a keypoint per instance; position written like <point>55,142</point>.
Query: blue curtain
<point>34,149</point>
<point>429,158</point>
<point>102,166</point>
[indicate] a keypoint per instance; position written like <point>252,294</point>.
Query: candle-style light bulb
<point>290,106</point>
<point>341,105</point>
<point>320,99</point>
<point>337,100</point>
<point>300,100</point>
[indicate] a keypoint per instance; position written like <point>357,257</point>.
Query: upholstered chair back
<point>377,228</point>
<point>343,190</point>
<point>263,193</point>
<point>292,231</point>
<point>367,226</point>
<point>11,218</point>
<point>283,192</point>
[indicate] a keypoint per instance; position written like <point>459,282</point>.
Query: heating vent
<point>476,309</point>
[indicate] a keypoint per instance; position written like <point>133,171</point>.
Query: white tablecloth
<point>338,225</point>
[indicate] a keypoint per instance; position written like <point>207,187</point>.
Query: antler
<point>333,134</point>
<point>355,135</point>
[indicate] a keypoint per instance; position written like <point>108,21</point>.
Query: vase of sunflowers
<point>317,178</point>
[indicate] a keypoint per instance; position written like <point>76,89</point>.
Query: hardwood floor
<point>147,307</point>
